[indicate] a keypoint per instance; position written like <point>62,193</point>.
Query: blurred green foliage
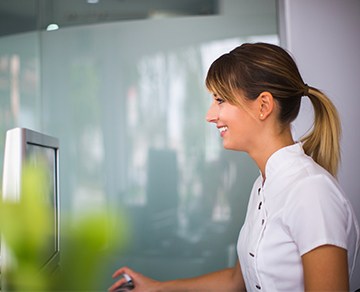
<point>87,243</point>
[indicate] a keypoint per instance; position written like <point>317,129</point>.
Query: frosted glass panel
<point>19,84</point>
<point>128,102</point>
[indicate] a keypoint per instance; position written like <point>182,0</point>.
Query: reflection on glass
<point>19,84</point>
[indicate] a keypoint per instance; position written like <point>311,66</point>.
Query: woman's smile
<point>222,130</point>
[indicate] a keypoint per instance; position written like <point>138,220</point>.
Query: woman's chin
<point>228,146</point>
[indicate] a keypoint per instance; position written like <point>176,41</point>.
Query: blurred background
<point>121,84</point>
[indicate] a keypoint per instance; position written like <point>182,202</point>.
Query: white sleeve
<point>317,214</point>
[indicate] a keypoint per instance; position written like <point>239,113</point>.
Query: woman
<point>300,232</point>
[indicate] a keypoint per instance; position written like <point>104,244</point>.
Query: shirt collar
<point>282,157</point>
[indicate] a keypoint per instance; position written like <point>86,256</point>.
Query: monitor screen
<point>27,147</point>
<point>45,157</point>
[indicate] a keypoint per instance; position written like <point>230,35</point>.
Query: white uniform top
<point>299,207</point>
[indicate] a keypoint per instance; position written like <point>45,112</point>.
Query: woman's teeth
<point>223,129</point>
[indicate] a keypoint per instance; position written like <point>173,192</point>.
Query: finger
<point>122,271</point>
<point>117,284</point>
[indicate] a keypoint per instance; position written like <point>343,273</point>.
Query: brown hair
<point>255,68</point>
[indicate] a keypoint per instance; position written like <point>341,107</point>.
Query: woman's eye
<point>219,100</point>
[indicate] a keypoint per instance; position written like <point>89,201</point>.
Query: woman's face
<point>237,124</point>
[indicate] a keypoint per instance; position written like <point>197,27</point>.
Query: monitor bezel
<point>16,143</point>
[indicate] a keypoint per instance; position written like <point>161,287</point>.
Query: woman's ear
<point>266,104</point>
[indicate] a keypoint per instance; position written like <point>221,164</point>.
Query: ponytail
<point>323,142</point>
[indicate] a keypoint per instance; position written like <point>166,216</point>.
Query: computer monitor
<point>27,147</point>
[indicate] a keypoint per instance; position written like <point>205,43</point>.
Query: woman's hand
<point>229,279</point>
<point>141,283</point>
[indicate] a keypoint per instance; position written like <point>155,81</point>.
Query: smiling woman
<point>262,90</point>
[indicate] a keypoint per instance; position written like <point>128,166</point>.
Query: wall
<point>324,38</point>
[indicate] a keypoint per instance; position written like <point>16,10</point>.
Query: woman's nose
<point>212,114</point>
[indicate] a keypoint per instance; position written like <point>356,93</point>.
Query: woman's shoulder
<point>316,189</point>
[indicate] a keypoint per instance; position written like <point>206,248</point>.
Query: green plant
<point>25,224</point>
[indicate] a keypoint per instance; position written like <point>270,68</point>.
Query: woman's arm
<point>326,269</point>
<point>230,279</point>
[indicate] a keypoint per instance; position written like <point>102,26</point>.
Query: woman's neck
<point>262,153</point>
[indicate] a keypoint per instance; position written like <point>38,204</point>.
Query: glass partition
<point>127,101</point>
